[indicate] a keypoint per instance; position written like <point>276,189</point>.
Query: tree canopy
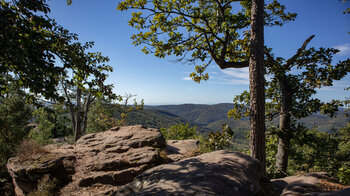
<point>201,31</point>
<point>30,43</point>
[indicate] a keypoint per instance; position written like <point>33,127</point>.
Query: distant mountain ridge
<point>198,113</point>
<point>213,116</point>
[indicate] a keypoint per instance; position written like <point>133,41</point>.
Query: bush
<point>179,132</point>
<point>220,140</point>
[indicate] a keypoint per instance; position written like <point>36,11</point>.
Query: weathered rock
<point>312,184</point>
<point>112,157</point>
<point>180,149</point>
<point>216,173</point>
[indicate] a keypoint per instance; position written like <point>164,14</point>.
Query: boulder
<point>180,149</point>
<point>215,173</point>
<point>311,184</point>
<point>105,159</point>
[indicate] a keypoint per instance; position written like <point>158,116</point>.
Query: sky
<point>161,81</point>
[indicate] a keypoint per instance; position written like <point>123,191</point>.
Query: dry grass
<point>28,148</point>
<point>193,152</point>
<point>163,156</point>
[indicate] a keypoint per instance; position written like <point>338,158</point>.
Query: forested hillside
<point>213,116</point>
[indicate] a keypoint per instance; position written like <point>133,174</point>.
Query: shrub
<point>220,140</point>
<point>179,132</point>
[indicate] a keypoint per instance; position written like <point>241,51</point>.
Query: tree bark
<point>284,135</point>
<point>78,116</point>
<point>256,83</point>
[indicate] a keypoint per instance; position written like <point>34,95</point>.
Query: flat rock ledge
<point>102,160</point>
<point>215,173</point>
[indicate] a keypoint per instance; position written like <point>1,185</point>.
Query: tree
<point>51,121</point>
<point>102,116</point>
<point>291,89</point>
<point>14,118</point>
<point>30,42</point>
<point>86,84</point>
<point>203,31</point>
<point>256,83</point>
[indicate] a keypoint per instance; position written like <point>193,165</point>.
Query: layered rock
<point>216,173</point>
<point>109,158</point>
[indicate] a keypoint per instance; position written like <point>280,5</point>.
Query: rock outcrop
<point>106,159</point>
<point>216,173</point>
<point>311,184</point>
<point>180,149</point>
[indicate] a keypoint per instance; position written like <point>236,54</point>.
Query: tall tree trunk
<point>87,104</point>
<point>78,116</point>
<point>284,136</point>
<point>256,83</point>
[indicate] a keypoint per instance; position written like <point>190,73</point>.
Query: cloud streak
<point>344,49</point>
<point>235,76</point>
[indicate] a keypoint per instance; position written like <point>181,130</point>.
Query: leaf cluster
<point>30,42</point>
<point>197,30</point>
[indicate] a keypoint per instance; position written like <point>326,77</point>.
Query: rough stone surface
<point>180,149</point>
<point>104,159</point>
<point>216,173</point>
<point>312,184</point>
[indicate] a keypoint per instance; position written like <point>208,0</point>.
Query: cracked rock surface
<point>97,161</point>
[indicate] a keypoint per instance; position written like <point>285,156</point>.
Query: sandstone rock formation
<point>103,160</point>
<point>311,184</point>
<point>180,149</point>
<point>216,173</point>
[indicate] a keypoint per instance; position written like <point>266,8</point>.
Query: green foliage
<point>344,175</point>
<point>127,108</point>
<point>26,30</point>
<point>102,116</point>
<point>87,83</point>
<point>179,131</point>
<point>51,122</point>
<point>196,30</point>
<point>14,118</point>
<point>271,151</point>
<point>220,140</point>
<point>42,133</point>
<point>313,151</point>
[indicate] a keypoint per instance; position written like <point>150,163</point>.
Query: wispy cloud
<point>344,49</point>
<point>235,76</point>
<point>186,78</point>
<point>231,82</point>
<point>338,85</point>
<point>242,73</point>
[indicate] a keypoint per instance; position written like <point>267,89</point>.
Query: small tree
<point>86,84</point>
<point>291,92</point>
<point>102,116</point>
<point>52,121</point>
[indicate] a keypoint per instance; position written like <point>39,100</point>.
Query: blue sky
<point>160,81</point>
